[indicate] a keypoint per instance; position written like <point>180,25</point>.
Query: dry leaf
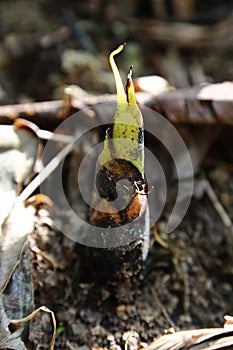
<point>208,339</point>
<point>8,339</point>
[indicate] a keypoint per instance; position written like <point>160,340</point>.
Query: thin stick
<point>48,135</point>
<point>43,175</point>
<point>31,109</point>
<point>216,204</point>
<point>162,308</point>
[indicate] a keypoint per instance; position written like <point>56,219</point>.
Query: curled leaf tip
<point>119,85</point>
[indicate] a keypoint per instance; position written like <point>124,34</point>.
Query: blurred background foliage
<point>45,45</point>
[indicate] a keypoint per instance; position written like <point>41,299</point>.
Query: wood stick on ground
<point>204,104</point>
<point>163,309</point>
<point>226,220</point>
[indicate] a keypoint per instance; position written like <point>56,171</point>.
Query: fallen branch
<point>205,104</point>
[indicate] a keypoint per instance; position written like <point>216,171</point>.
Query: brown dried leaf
<point>9,340</point>
<point>18,152</point>
<point>203,104</point>
<point>17,298</point>
<point>208,339</point>
<point>10,330</point>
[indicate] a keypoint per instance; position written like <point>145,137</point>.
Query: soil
<point>186,283</point>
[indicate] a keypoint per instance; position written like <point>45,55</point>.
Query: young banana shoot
<point>120,180</point>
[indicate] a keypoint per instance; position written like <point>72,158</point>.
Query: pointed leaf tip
<point>130,91</point>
